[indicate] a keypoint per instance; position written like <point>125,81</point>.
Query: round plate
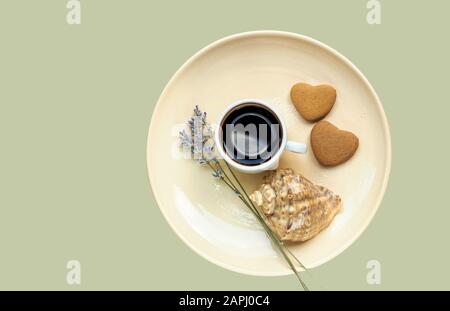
<point>264,65</point>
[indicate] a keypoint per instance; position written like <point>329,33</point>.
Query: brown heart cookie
<point>313,102</point>
<point>332,146</point>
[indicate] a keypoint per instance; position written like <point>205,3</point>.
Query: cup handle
<point>296,147</point>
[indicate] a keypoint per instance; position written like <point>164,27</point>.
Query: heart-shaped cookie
<point>332,146</point>
<point>313,102</point>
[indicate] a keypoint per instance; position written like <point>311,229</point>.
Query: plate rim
<point>331,50</point>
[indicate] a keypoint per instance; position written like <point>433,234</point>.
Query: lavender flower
<point>198,140</point>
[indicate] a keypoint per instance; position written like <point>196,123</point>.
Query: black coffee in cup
<point>251,134</point>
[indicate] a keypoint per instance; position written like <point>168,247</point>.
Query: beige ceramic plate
<point>264,65</point>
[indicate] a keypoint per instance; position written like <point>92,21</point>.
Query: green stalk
<point>277,243</point>
<point>247,201</point>
<point>226,180</point>
<point>259,214</point>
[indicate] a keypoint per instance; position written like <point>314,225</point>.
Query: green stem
<point>239,183</point>
<point>229,183</point>
<point>223,172</point>
<point>237,180</point>
<point>247,201</point>
<point>281,247</point>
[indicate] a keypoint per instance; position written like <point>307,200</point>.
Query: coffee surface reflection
<point>251,133</point>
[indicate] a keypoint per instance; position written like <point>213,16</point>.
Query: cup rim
<point>254,168</point>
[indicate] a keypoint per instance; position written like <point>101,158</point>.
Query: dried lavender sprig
<point>200,134</point>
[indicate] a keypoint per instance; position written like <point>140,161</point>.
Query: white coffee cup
<point>272,162</point>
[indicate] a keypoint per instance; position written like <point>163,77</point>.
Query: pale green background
<point>75,106</point>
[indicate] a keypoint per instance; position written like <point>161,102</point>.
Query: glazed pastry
<point>296,209</point>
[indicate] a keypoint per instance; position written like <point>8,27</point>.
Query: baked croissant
<point>296,209</point>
